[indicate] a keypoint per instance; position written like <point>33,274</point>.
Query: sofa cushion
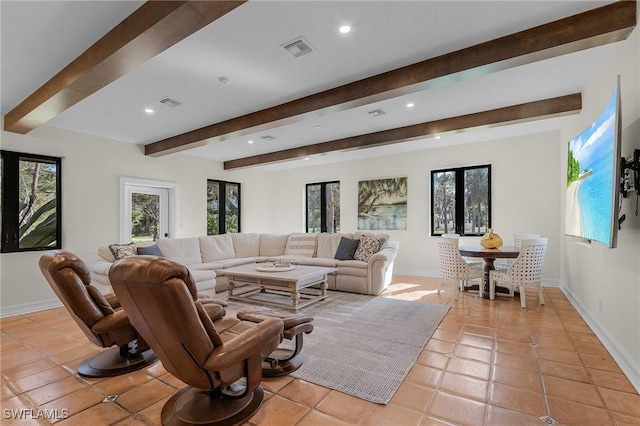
<point>120,251</point>
<point>301,245</point>
<point>209,266</point>
<point>346,249</point>
<point>327,244</point>
<point>273,245</point>
<point>246,245</point>
<point>182,250</point>
<point>368,246</point>
<point>317,261</point>
<point>216,247</point>
<point>152,250</point>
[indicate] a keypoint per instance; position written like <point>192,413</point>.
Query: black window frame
<point>10,241</point>
<point>222,212</point>
<point>459,199</point>
<point>323,205</point>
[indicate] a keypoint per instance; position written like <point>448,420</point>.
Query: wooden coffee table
<point>250,285</point>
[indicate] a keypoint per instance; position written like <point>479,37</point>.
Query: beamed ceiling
<point>473,71</point>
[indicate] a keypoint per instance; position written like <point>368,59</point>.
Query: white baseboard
<point>27,308</point>
<point>623,360</point>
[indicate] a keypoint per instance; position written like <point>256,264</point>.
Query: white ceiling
<point>39,38</point>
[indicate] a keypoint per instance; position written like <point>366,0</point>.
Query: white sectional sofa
<point>208,256</point>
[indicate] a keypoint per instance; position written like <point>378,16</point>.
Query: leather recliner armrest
<point>244,345</point>
<point>110,322</point>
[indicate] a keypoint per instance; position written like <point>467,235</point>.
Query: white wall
<point>91,171</point>
<point>524,182</point>
<point>605,283</point>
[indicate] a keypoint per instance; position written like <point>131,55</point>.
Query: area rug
<point>365,346</point>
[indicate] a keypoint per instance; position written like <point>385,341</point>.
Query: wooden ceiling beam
<point>151,29</point>
<point>530,111</point>
<point>603,25</point>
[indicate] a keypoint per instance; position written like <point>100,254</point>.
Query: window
<point>30,202</point>
<point>461,200</point>
<point>223,207</point>
<point>323,207</point>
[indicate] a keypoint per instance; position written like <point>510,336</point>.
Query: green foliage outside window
<point>223,216</point>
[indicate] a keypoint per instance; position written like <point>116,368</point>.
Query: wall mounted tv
<point>593,171</point>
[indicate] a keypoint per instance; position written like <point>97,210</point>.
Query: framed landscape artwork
<point>382,204</point>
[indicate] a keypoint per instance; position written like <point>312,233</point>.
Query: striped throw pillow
<point>303,245</point>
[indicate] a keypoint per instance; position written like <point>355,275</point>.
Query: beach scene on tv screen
<point>590,178</point>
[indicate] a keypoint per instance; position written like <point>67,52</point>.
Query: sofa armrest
<point>380,268</point>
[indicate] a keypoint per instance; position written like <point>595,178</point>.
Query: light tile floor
<point>488,363</point>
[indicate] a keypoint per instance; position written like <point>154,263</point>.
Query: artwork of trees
<point>382,204</point>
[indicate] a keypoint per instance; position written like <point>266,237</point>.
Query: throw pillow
<point>346,248</point>
<point>367,247</point>
<point>152,250</point>
<point>303,245</point>
<point>120,251</point>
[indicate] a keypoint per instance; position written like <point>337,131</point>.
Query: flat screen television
<point>593,173</point>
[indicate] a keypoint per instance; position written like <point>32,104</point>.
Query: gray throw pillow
<point>346,249</point>
<point>153,250</point>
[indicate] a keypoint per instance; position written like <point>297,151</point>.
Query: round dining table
<point>489,256</point>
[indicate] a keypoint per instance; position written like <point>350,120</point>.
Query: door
<point>146,213</point>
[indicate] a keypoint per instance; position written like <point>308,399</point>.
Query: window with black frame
<point>323,207</point>
<point>461,200</point>
<point>223,207</point>
<point>31,202</point>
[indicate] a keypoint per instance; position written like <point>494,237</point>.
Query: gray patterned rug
<point>363,345</point>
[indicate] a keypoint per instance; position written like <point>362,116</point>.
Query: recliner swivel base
<point>191,406</point>
<point>109,363</point>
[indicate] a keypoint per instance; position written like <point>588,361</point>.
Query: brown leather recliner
<point>222,368</point>
<point>99,317</point>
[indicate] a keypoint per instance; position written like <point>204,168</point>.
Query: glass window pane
<point>145,217</point>
<point>314,218</point>
<point>232,199</point>
<point>332,194</point>
<point>213,207</point>
<point>37,217</point>
<point>476,200</point>
<point>444,202</point>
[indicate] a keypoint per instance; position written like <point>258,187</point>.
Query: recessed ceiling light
<point>149,111</point>
<point>345,29</point>
<point>410,105</point>
<point>437,137</point>
<point>306,158</point>
<point>249,141</point>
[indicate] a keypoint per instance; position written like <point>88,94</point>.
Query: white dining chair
<point>503,265</point>
<point>454,267</point>
<point>472,263</point>
<point>525,271</point>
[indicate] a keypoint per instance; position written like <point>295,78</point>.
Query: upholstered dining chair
<point>223,369</point>
<point>454,267</point>
<point>99,316</point>
<point>525,271</point>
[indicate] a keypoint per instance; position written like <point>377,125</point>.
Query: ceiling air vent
<point>298,47</point>
<point>267,137</point>
<point>170,102</point>
<point>376,113</point>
